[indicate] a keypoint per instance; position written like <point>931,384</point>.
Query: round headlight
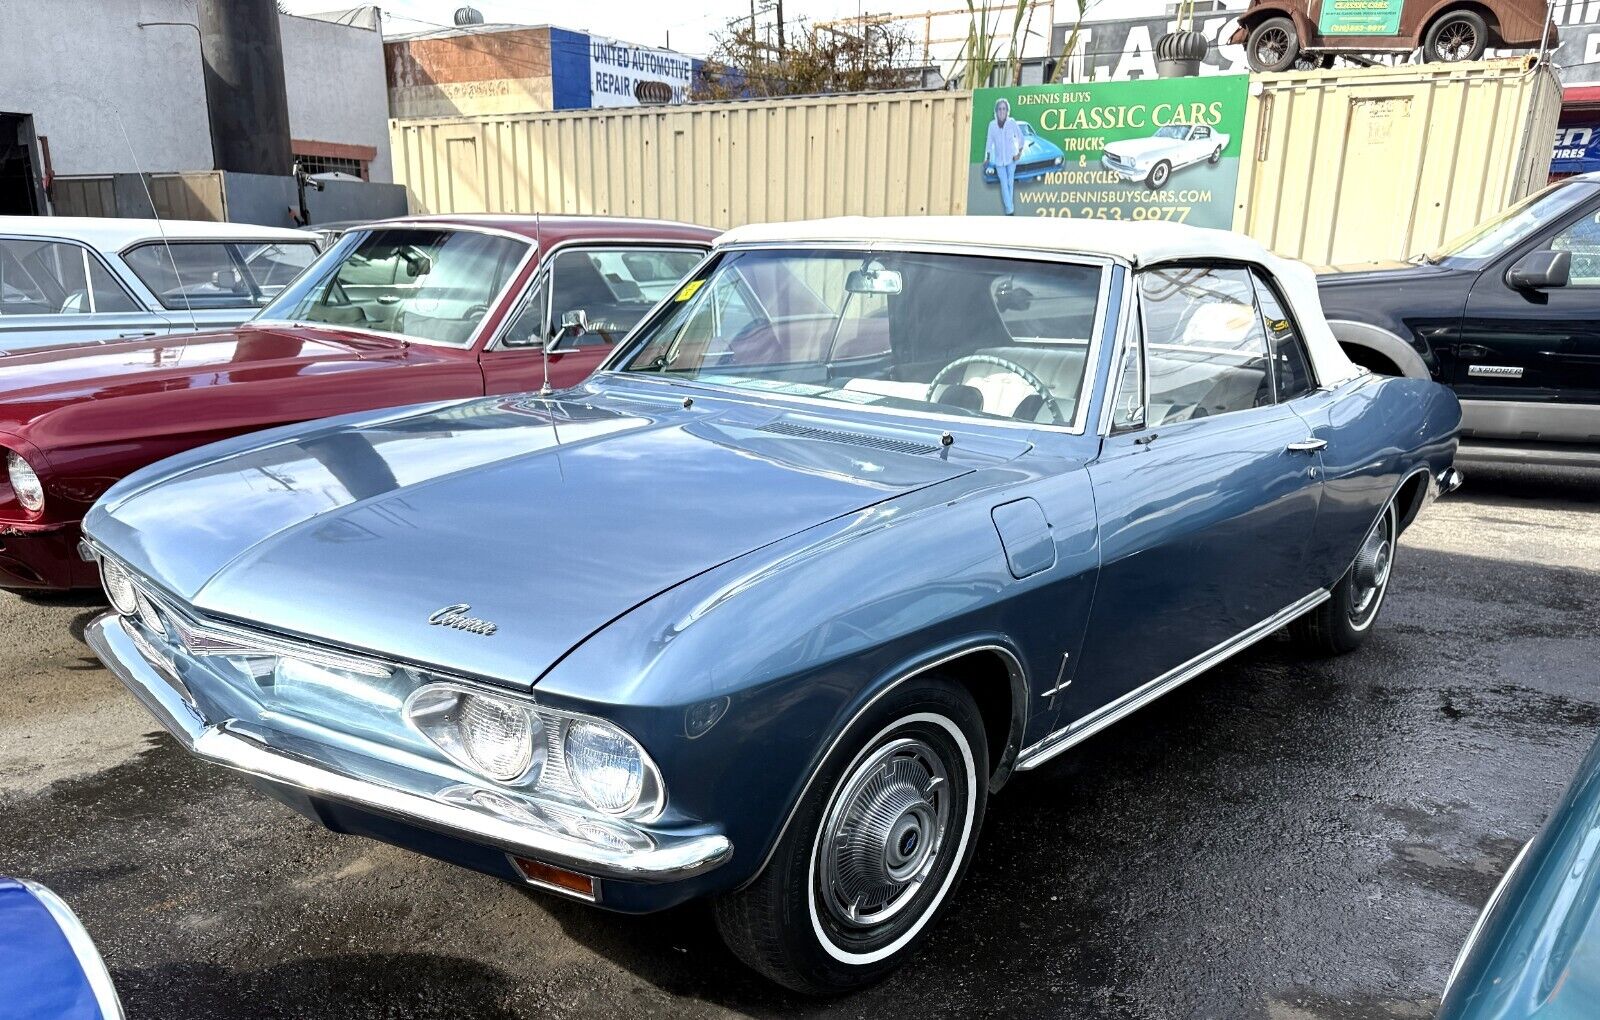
<point>606,766</point>
<point>499,738</point>
<point>119,588</point>
<point>497,735</point>
<point>25,482</point>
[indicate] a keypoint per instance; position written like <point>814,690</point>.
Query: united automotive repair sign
<point>1156,149</point>
<point>1360,17</point>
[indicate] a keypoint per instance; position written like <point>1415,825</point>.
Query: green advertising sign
<point>1360,17</point>
<point>1156,149</point>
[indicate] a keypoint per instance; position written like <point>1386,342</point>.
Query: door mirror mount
<point>1541,270</point>
<point>574,324</point>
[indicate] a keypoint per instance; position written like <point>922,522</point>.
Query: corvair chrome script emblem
<point>456,616</point>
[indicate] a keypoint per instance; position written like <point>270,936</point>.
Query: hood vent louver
<point>884,443</point>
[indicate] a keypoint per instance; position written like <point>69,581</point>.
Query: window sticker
<point>688,290</point>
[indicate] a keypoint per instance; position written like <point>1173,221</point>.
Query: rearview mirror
<point>873,281</point>
<point>1541,270</point>
<point>574,323</point>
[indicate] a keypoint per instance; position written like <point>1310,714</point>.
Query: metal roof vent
<point>468,16</point>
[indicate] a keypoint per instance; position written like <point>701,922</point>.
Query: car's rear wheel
<point>1160,174</point>
<point>875,849</point>
<point>1273,45</point>
<point>1342,623</point>
<point>1458,35</point>
<point>1216,156</point>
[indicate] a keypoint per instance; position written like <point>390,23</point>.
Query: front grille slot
<point>884,443</point>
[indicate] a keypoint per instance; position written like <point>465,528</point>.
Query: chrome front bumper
<point>215,741</point>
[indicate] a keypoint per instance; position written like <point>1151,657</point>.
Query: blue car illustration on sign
<point>863,518</point>
<point>1039,156</point>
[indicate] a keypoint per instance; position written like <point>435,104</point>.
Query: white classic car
<point>81,279</point>
<point>1152,160</point>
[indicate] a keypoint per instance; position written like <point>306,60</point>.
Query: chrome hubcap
<point>1370,574</point>
<point>882,836</point>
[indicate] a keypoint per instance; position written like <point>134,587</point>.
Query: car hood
<point>549,518</point>
<point>94,369</point>
<point>1377,271</point>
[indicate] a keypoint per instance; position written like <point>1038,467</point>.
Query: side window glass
<point>191,274</point>
<point>42,278</point>
<point>109,295</point>
<point>614,288</point>
<point>1205,350</point>
<point>1289,359</point>
<point>1129,411</point>
<point>527,328</point>
<point>273,266</point>
<point>1582,239</point>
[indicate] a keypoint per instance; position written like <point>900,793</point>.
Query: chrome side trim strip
<point>1086,727</point>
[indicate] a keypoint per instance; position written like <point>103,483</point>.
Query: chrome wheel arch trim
<point>1000,769</point>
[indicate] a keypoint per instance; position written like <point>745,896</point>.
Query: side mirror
<point>573,324</point>
<point>1541,270</point>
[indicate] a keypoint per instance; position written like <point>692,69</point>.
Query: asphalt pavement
<point>1282,838</point>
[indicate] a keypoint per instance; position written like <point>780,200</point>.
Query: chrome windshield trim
<point>658,859</point>
<point>1095,341</point>
<point>89,960</point>
<point>344,247</point>
<point>1087,726</point>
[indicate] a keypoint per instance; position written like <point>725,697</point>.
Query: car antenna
<point>161,228</point>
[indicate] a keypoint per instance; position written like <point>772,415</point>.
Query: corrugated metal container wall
<point>720,164</point>
<point>1341,166</point>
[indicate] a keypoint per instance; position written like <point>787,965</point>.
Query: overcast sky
<point>690,26</point>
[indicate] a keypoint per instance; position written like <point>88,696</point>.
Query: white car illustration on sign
<point>1152,160</point>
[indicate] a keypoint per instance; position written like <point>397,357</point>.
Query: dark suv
<point>1508,316</point>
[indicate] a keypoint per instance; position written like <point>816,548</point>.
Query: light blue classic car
<point>1534,953</point>
<point>863,518</point>
<point>1039,157</point>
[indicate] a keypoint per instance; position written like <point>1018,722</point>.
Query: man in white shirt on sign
<point>1002,149</point>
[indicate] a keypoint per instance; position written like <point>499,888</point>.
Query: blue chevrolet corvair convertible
<point>864,517</point>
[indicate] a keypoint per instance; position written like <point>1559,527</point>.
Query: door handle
<point>136,332</point>
<point>1308,445</point>
<point>1472,351</point>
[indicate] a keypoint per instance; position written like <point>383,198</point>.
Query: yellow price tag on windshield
<point>688,290</point>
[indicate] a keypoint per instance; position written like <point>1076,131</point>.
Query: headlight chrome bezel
<point>432,710</point>
<point>29,492</point>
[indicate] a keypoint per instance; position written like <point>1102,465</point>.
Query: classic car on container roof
<point>394,313</point>
<point>867,516</point>
<point>1280,35</point>
<point>82,279</point>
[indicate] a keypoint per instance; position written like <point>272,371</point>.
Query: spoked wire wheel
<point>1456,41</point>
<point>1272,46</point>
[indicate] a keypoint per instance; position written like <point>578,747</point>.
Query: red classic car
<point>398,312</point>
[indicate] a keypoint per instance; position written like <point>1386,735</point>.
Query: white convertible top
<point>114,233</point>
<point>1144,243</point>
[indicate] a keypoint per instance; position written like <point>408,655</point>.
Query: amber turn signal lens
<point>540,873</point>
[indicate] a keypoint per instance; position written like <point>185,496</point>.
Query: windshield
<point>1179,131</point>
<point>423,283</point>
<point>954,334</point>
<point>1505,231</point>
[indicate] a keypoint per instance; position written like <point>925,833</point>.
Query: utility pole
<point>780,29</point>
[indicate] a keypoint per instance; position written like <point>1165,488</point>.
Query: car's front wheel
<point>1160,174</point>
<point>875,849</point>
<point>1273,45</point>
<point>1342,623</point>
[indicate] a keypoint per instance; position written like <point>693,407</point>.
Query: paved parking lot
<point>1282,838</point>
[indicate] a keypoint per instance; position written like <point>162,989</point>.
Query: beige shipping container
<point>719,164</point>
<point>1342,166</point>
<point>1337,165</point>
